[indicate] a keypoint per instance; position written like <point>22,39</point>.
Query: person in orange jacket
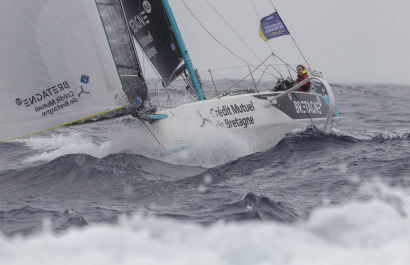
<point>302,75</point>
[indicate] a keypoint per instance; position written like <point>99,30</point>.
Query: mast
<point>183,49</point>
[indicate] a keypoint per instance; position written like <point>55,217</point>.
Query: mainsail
<point>56,66</point>
<point>150,27</point>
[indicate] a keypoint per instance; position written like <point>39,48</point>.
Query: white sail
<point>56,65</point>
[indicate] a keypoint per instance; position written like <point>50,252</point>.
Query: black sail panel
<point>150,27</point>
<point>122,49</point>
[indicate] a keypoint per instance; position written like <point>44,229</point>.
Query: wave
<point>303,143</point>
<point>27,220</point>
<point>348,135</point>
<point>124,135</point>
<point>371,231</point>
<point>89,176</point>
<point>374,136</point>
<point>270,210</point>
<point>68,219</point>
<point>49,146</point>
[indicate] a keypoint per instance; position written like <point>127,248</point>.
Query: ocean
<point>94,194</point>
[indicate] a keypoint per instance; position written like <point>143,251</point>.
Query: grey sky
<point>348,40</point>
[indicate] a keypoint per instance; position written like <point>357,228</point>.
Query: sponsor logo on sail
<point>54,99</point>
<point>147,6</point>
<point>64,101</point>
<point>85,79</point>
<point>82,92</point>
<point>43,95</point>
<point>145,40</point>
<point>141,20</point>
<point>152,52</point>
<point>138,101</point>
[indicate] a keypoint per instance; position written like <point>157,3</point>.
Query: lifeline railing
<point>332,102</point>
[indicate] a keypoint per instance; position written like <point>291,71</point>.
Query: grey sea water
<point>68,179</point>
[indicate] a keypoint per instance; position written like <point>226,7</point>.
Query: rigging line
<point>143,65</point>
<point>150,64</point>
<point>272,5</point>
<point>215,37</point>
<point>274,58</point>
<point>297,46</point>
<point>172,88</point>
<point>170,31</point>
<point>224,80</point>
<point>183,1</point>
<point>306,111</point>
<point>270,47</point>
<point>223,77</point>
<point>225,84</point>
<point>236,67</point>
<point>290,75</point>
<point>254,66</point>
<point>285,62</point>
<point>233,67</point>
<point>237,34</point>
<point>275,70</point>
<point>247,75</point>
<point>260,79</point>
<point>152,134</point>
<point>294,41</point>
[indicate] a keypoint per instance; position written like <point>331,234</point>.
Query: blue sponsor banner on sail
<point>272,26</point>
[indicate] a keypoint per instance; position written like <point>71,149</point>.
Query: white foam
<point>97,141</point>
<point>212,147</point>
<point>369,135</point>
<point>52,146</point>
<point>127,136</point>
<point>371,232</point>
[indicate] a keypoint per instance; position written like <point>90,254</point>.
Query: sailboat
<point>66,61</point>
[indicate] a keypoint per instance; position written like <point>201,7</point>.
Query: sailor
<point>302,75</point>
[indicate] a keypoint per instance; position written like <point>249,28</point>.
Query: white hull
<point>248,121</point>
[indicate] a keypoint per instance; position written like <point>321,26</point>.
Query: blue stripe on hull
<point>328,103</point>
<point>158,116</point>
